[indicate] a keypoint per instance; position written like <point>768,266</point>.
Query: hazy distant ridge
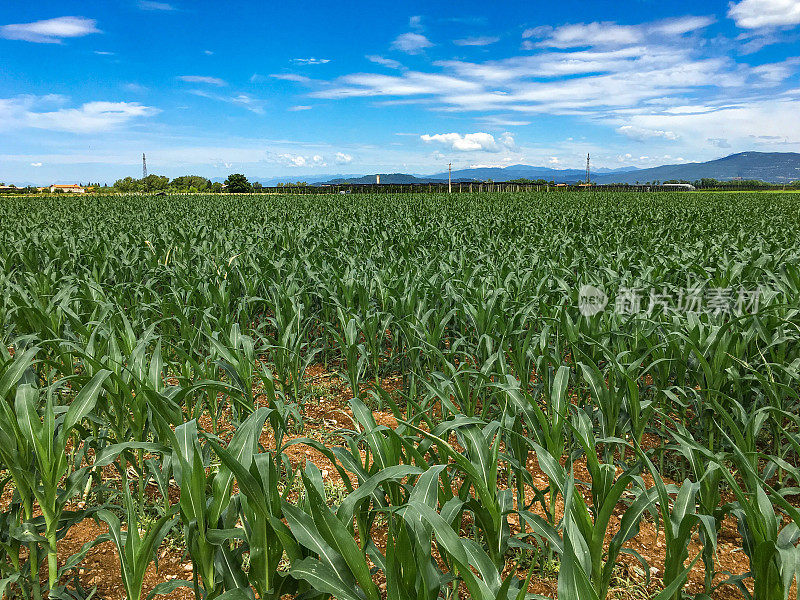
<point>774,167</point>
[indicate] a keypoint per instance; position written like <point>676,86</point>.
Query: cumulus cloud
<point>411,43</point>
<point>471,142</point>
<point>50,31</point>
<point>203,79</point>
<point>91,117</point>
<point>343,159</point>
<point>36,164</point>
<point>641,134</point>
<point>293,160</point>
<point>300,160</point>
<point>756,14</point>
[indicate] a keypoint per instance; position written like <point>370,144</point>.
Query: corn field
<point>160,373</point>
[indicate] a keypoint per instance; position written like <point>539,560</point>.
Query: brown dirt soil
<point>326,414</point>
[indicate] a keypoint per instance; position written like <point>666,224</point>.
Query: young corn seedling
<point>34,450</point>
<point>680,519</point>
<point>586,563</point>
<point>203,516</point>
<point>135,548</point>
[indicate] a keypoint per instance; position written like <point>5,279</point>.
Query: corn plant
<point>34,444</point>
<point>135,548</point>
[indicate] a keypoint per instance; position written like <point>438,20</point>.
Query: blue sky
<point>303,88</point>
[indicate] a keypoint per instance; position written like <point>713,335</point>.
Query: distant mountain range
<point>774,167</point>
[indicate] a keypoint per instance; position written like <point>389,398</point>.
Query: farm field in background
<point>580,395</point>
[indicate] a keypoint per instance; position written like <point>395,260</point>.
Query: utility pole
<point>144,166</point>
<point>588,181</point>
<point>449,178</point>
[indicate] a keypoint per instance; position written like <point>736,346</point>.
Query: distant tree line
<point>236,183</point>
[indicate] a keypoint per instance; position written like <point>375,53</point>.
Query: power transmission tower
<point>144,166</point>
<point>588,181</point>
<point>449,178</point>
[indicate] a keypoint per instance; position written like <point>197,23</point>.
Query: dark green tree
<point>155,183</point>
<point>185,182</point>
<point>237,184</point>
<point>129,184</point>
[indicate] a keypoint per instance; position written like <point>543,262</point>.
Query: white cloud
<point>150,5</point>
<point>386,62</point>
<point>755,14</point>
<point>641,134</point>
<point>719,142</point>
<point>103,53</point>
<point>299,107</point>
<point>50,31</point>
<point>36,164</point>
<point>681,25</point>
<point>411,43</point>
<point>773,73</point>
<point>613,79</point>
<point>507,140</point>
<point>589,34</point>
<point>299,160</point>
<point>771,120</point>
<point>485,40</point>
<point>254,105</point>
<point>203,79</point>
<point>208,52</point>
<point>91,117</point>
<point>134,87</point>
<point>292,160</point>
<point>537,32</point>
<point>343,159</point>
<point>415,22</point>
<point>285,77</point>
<point>470,142</point>
<point>608,34</point>
<point>311,61</point>
<point>503,121</point>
